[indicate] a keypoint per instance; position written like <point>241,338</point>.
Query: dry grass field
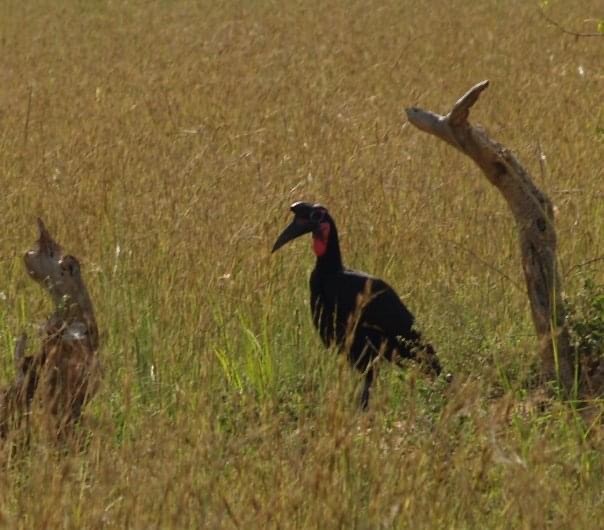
<point>162,142</point>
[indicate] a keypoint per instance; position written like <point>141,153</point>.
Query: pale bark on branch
<point>65,373</point>
<point>533,213</point>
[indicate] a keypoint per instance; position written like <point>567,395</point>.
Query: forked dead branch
<point>533,213</point>
<point>64,375</point>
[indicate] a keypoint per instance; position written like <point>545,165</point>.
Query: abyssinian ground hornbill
<point>360,314</point>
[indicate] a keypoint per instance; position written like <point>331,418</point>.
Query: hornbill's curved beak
<point>296,228</point>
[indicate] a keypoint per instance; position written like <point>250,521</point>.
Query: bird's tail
<point>423,353</point>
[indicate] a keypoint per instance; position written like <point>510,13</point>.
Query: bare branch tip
<point>460,111</point>
<point>409,111</point>
<point>471,96</point>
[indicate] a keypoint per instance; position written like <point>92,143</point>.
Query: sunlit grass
<point>162,143</point>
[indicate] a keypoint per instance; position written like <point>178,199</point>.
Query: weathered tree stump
<point>533,212</point>
<point>65,374</point>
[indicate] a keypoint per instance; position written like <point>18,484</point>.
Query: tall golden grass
<point>163,141</point>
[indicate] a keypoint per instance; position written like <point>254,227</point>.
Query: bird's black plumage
<point>360,314</point>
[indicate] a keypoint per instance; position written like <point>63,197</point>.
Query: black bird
<point>362,315</point>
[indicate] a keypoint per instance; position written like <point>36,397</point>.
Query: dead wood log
<point>64,375</point>
<point>533,213</point>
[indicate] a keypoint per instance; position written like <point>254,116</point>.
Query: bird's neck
<point>326,246</point>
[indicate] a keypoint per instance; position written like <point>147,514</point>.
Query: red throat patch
<point>319,241</point>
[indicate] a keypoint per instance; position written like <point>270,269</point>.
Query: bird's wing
<point>383,309</point>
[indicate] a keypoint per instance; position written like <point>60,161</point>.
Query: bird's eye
<point>316,216</point>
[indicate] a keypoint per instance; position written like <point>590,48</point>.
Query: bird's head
<point>308,218</point>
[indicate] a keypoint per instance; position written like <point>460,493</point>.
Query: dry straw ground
<point>163,142</point>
